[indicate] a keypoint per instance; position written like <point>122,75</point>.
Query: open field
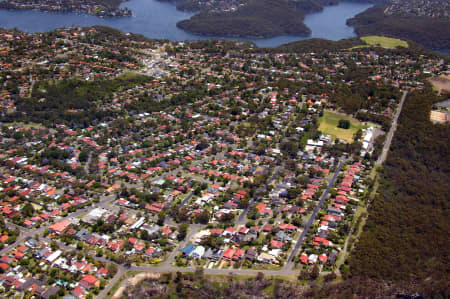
<point>385,42</point>
<point>441,83</point>
<point>328,124</point>
<point>22,124</point>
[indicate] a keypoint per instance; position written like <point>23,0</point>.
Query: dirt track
<point>132,281</point>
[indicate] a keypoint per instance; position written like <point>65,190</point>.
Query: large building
<point>439,116</point>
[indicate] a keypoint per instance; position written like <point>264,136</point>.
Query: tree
<point>145,235</point>
<point>161,218</point>
<point>178,276</point>
<point>292,193</point>
<point>112,269</point>
<point>202,217</point>
<point>303,275</point>
<point>83,156</point>
<point>53,245</point>
<point>344,124</point>
<point>99,252</point>
<point>250,223</point>
<point>79,245</point>
<point>28,209</point>
<point>297,221</point>
<point>314,272</point>
<point>182,230</point>
<point>358,135</point>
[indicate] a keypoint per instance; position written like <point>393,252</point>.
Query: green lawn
<point>328,124</point>
<point>385,42</point>
<point>30,124</point>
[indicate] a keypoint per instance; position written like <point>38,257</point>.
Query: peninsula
<point>101,8</point>
<point>415,20</point>
<point>250,18</point>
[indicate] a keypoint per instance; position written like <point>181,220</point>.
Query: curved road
<point>167,265</point>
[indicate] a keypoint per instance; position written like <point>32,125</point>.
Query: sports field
<point>385,42</point>
<point>328,124</point>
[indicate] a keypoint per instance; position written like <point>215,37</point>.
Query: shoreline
<point>91,11</point>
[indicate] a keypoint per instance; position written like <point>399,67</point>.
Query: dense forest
<point>318,45</point>
<point>430,32</point>
<point>73,101</point>
<point>80,103</point>
<point>258,18</point>
<point>406,238</point>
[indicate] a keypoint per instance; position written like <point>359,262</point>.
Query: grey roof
<point>208,253</point>
<point>27,284</point>
<point>49,292</point>
<point>83,235</point>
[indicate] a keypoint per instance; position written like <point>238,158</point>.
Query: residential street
<point>287,269</point>
<point>167,266</point>
<point>298,245</point>
<point>241,220</point>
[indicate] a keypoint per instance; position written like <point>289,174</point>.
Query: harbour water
<point>155,19</point>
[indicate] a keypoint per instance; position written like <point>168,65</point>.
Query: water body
<point>445,52</point>
<point>156,19</point>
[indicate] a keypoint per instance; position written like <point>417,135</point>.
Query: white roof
<point>315,143</point>
<point>275,252</point>
<point>313,258</point>
<point>199,251</point>
<point>97,213</point>
<point>54,256</point>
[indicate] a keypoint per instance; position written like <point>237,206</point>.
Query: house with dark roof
<point>251,255</point>
<point>217,254</point>
<point>83,235</point>
<point>28,283</point>
<point>208,254</point>
<point>52,291</point>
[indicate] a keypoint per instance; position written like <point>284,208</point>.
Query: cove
<point>156,19</point>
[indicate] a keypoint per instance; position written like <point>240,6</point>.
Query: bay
<point>155,19</point>
<point>445,52</point>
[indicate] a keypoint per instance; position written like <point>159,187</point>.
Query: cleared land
<point>328,124</point>
<point>385,42</point>
<point>441,83</point>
